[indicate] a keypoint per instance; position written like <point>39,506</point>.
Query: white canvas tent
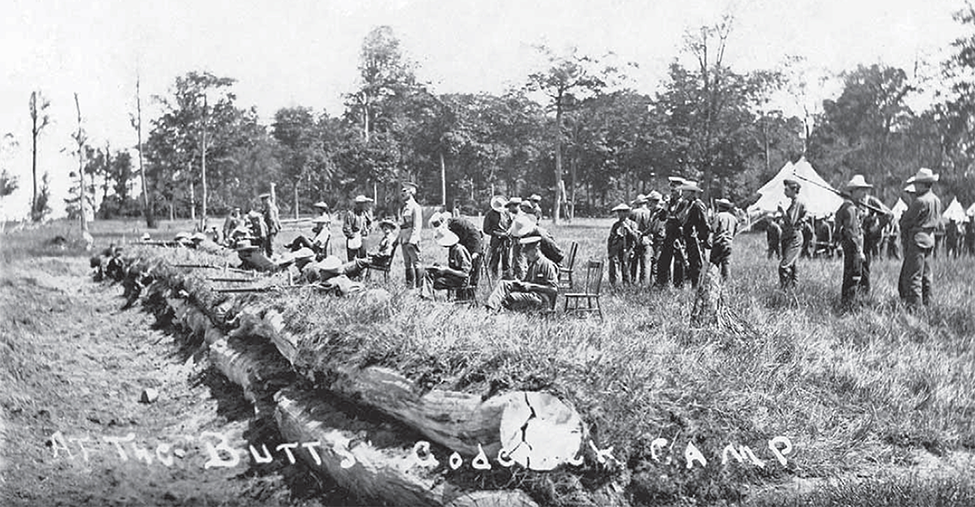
<point>819,201</point>
<point>954,211</point>
<point>971,210</point>
<point>899,208</point>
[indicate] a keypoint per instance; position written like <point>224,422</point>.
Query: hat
<point>535,197</point>
<point>530,240</point>
<point>447,238</point>
<point>330,263</point>
<point>265,195</point>
<point>522,225</point>
<point>182,235</point>
<point>621,207</point>
<point>640,199</point>
<point>146,237</point>
<point>498,203</point>
<point>527,206</point>
<point>514,200</point>
<point>247,247</point>
<point>438,218</point>
<point>198,236</point>
<point>409,186</point>
<point>690,185</point>
<point>361,199</point>
<point>858,182</point>
<point>724,203</point>
<point>924,175</point>
<point>654,196</point>
<point>321,204</point>
<point>303,253</point>
<point>910,189</point>
<point>676,180</point>
<point>387,223</point>
<point>791,182</point>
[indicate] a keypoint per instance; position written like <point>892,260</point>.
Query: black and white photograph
<point>487,253</point>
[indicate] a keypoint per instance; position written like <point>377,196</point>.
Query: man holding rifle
<point>849,224</point>
<point>792,218</point>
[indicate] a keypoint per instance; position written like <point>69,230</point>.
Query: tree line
<point>574,132</point>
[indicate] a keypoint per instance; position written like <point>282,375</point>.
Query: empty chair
<point>587,301</point>
<point>567,266</point>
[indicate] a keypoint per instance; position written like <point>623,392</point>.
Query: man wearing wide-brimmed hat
<point>849,222</point>
<point>623,236</point>
<point>537,291</point>
<point>658,220</point>
<point>411,222</point>
<point>724,227</point>
<point>536,203</point>
<point>497,220</point>
<point>356,226</point>
<point>232,222</point>
<point>457,271</point>
<point>920,223</point>
<point>791,238</point>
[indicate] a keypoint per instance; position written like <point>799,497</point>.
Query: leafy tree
<point>39,119</point>
<point>8,183</point>
<point>568,80</point>
<point>302,149</point>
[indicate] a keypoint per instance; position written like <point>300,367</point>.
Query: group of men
<point>918,225</point>
<point>256,227</point>
<point>665,238</point>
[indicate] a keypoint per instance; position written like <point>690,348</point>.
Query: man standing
<point>643,249</point>
<point>792,219</point>
<point>411,221</point>
<point>356,226</point>
<point>919,223</point>
<point>538,289</point>
<point>272,221</point>
<point>849,225</point>
<point>658,218</point>
<point>672,250</point>
<point>696,231</point>
<point>496,224</point>
<point>623,237</point>
<point>232,222</point>
<point>724,227</point>
<point>536,201</point>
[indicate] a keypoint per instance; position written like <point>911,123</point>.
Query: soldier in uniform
<point>536,201</point>
<point>643,250</point>
<point>496,224</point>
<point>272,221</point>
<point>452,276</point>
<point>672,249</point>
<point>849,227</point>
<point>919,223</point>
<point>623,236</point>
<point>658,218</point>
<point>232,222</point>
<point>791,239</point>
<point>724,227</point>
<point>696,231</point>
<point>537,291</point>
<point>356,226</point>
<point>411,222</point>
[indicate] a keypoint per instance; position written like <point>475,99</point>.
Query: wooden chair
<point>384,267</point>
<point>567,267</point>
<point>587,301</point>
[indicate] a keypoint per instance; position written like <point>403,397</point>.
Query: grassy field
<point>878,404</point>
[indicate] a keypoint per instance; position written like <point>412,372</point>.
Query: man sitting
<point>538,289</point>
<point>319,242</point>
<point>457,272</point>
<point>332,266</point>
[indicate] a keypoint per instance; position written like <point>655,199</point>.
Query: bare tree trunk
<point>203,215</point>
<point>192,202</point>
<point>83,194</point>
<point>147,210</point>
<point>443,181</point>
<point>296,200</point>
<point>556,211</point>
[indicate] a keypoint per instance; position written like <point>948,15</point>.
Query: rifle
<point>845,195</point>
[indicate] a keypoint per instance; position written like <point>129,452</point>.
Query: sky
<point>305,52</point>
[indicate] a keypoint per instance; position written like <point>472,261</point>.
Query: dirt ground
<point>73,365</point>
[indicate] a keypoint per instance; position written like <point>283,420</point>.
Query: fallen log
<point>389,473</point>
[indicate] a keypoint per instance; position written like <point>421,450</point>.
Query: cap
<point>530,240</point>
<point>621,207</point>
<point>514,201</point>
<point>724,203</point>
<point>321,204</point>
<point>361,199</point>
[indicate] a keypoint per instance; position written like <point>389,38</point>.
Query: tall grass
<point>879,388</point>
